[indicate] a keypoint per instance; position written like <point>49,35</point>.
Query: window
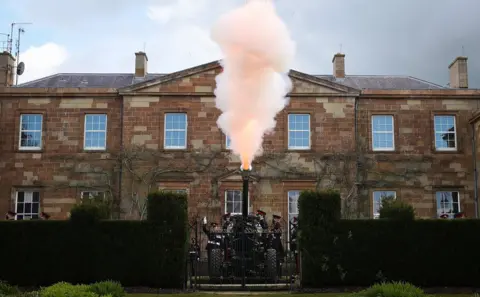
<point>299,131</point>
<point>382,133</point>
<point>227,142</point>
<point>292,210</point>
<point>445,136</point>
<point>176,131</point>
<point>27,205</point>
<point>31,131</point>
<point>378,196</point>
<point>92,194</point>
<point>293,205</point>
<point>233,201</point>
<point>448,203</point>
<point>95,132</point>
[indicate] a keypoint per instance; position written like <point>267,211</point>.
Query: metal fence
<point>243,253</point>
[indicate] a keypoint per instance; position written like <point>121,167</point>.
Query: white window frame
<point>30,148</point>
<point>94,148</point>
<point>450,215</point>
<point>384,193</point>
<point>241,197</point>
<point>392,132</point>
<point>445,132</point>
<point>227,145</point>
<point>309,132</point>
<point>165,131</point>
<point>25,192</point>
<point>92,193</point>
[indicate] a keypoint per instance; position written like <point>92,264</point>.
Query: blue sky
<point>398,37</point>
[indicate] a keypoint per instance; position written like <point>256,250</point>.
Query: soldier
<point>277,238</point>
<point>261,215</point>
<point>215,236</point>
<point>293,241</point>
<point>226,221</point>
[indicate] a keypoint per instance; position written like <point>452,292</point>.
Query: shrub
<point>111,288</point>
<point>64,289</point>
<point>393,289</point>
<point>87,213</point>
<point>167,207</point>
<point>7,289</point>
<point>134,253</point>
<point>396,209</point>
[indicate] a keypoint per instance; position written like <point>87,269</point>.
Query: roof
<point>124,80</point>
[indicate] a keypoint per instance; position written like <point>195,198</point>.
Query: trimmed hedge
<point>134,253</point>
<point>426,253</point>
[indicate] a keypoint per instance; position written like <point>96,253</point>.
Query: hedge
<point>134,253</point>
<point>427,253</point>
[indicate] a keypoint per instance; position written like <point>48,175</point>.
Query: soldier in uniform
<point>293,241</point>
<point>277,241</point>
<point>263,222</point>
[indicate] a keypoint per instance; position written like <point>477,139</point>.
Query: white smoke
<point>258,53</point>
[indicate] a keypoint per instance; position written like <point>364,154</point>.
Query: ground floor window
<point>378,197</point>
<point>92,194</point>
<point>448,204</point>
<point>293,204</point>
<point>27,205</point>
<point>233,202</point>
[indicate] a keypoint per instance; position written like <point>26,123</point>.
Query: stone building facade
<point>70,136</point>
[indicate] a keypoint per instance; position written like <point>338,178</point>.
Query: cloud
<point>42,61</point>
<point>408,37</point>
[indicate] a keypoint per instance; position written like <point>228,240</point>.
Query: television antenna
<point>4,44</point>
<point>20,66</point>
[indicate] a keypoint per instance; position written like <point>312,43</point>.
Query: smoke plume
<point>257,53</point>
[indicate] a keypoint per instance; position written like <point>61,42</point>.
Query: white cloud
<point>42,61</point>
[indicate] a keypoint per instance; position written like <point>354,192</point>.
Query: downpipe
<point>475,172</point>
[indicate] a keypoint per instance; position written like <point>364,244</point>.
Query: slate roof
<point>120,80</point>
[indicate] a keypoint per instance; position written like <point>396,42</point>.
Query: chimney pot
<point>459,73</point>
<point>339,65</point>
<point>141,61</point>
<point>7,67</point>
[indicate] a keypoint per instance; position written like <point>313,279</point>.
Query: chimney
<point>141,62</point>
<point>339,65</point>
<point>7,66</point>
<point>459,73</point>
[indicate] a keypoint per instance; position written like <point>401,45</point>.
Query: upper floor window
<point>299,131</point>
<point>227,142</point>
<point>445,133</point>
<point>382,133</point>
<point>95,137</point>
<point>175,131</point>
<point>448,203</point>
<point>27,205</point>
<point>31,131</point>
<point>378,197</point>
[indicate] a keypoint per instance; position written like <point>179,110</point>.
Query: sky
<point>419,38</point>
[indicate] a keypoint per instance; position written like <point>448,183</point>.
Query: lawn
<point>259,294</point>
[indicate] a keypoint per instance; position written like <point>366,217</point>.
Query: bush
<point>134,253</point>
<point>112,288</point>
<point>318,214</point>
<point>87,213</point>
<point>393,289</point>
<point>364,252</point>
<point>166,207</point>
<point>396,209</point>
<point>64,289</point>
<point>7,289</point>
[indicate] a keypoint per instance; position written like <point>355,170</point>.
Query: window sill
<point>33,151</point>
<point>94,150</point>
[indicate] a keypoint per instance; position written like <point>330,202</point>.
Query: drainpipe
<point>475,173</point>
<point>357,178</point>
<point>120,169</point>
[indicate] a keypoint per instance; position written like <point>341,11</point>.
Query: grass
<point>241,294</point>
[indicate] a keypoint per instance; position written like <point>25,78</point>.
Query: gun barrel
<point>246,180</point>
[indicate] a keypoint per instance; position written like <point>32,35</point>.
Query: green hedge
<point>135,253</point>
<point>426,253</point>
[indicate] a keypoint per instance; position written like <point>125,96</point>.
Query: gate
<point>242,254</point>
